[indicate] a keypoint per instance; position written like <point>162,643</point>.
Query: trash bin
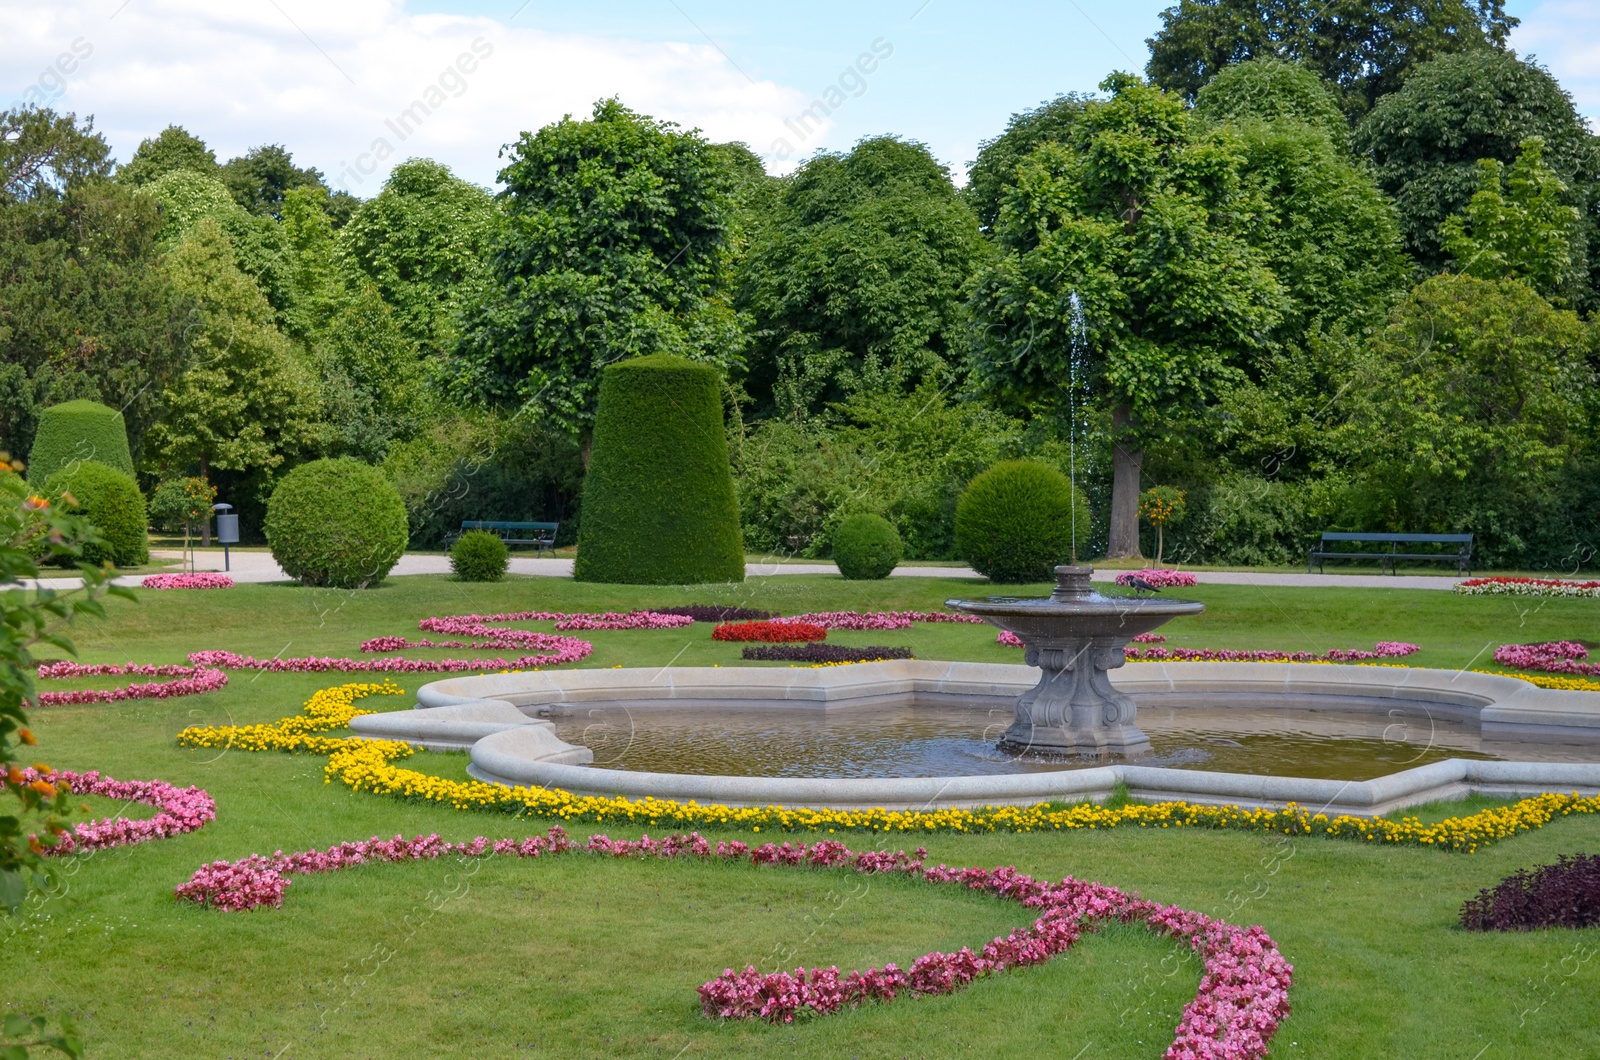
<point>227,531</point>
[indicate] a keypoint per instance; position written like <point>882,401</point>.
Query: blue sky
<point>330,80</point>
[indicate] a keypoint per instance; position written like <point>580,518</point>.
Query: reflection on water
<point>930,741</point>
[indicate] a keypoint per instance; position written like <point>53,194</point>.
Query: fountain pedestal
<point>1075,636</point>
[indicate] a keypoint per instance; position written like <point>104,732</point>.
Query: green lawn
<point>578,957</point>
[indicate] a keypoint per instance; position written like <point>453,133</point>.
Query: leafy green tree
<point>994,170</point>
<point>260,178</point>
<point>1515,224</point>
<point>1469,407</point>
<point>1142,223</point>
<point>174,149</point>
<point>187,197</point>
<point>1329,236</point>
<point>42,153</point>
<point>856,281</point>
<point>1366,47</point>
<point>614,243</point>
<point>424,241</point>
<point>1272,90</point>
<point>1425,140</point>
<point>244,403</point>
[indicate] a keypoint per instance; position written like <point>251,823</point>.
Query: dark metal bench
<point>1461,557</point>
<point>542,536</point>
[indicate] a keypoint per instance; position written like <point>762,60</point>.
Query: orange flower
<point>44,788</point>
<point>26,737</point>
<point>40,767</point>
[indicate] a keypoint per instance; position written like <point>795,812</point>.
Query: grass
<point>577,957</point>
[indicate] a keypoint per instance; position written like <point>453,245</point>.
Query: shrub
<point>1015,521</point>
<point>716,613</point>
<point>866,547</point>
<point>823,654</point>
<point>658,502</point>
<point>1566,894</point>
<point>479,556</point>
<point>78,430</point>
<point>336,523</point>
<point>113,505</point>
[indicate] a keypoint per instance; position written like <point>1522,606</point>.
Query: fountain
<point>1075,636</point>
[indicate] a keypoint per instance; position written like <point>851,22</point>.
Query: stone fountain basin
<point>492,714</point>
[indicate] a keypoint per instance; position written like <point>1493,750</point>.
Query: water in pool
<point>940,740</point>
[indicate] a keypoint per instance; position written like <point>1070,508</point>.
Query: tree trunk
<point>1126,462</point>
<point>205,524</point>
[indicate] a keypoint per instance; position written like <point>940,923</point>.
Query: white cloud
<point>325,79</point>
<point>1565,37</point>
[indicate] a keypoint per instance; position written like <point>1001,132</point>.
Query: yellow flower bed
<point>368,765</point>
<point>1566,684</point>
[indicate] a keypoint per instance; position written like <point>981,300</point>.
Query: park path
<point>261,567</point>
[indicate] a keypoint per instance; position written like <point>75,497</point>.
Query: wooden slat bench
<point>542,536</point>
<point>1461,557</point>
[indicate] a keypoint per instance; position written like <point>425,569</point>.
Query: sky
<point>339,82</point>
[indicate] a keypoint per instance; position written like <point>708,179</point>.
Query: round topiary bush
<point>336,523</point>
<point>658,502</point>
<point>1014,523</point>
<point>113,505</point>
<point>866,547</point>
<point>74,431</point>
<point>479,556</point>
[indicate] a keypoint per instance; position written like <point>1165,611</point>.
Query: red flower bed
<point>770,632</point>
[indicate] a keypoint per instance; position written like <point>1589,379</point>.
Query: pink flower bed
<point>558,650</point>
<point>1160,578</point>
<point>203,580</point>
<point>181,810</point>
<point>1526,587</point>
<point>877,620</point>
<point>191,681</point>
<point>479,625</point>
<point>1244,986</point>
<point>1384,649</point>
<point>1556,656</point>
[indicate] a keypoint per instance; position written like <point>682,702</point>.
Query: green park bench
<point>542,536</point>
<point>1461,557</point>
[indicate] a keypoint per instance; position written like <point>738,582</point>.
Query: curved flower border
<point>191,681</point>
<point>1244,987</point>
<point>181,810</point>
<point>368,765</point>
<point>1555,656</point>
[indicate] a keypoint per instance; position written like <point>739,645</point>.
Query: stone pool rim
<point>485,713</point>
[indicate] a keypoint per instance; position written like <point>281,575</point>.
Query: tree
<point>1327,233</point>
<point>186,198</point>
<point>1123,260</point>
<point>1163,506</point>
<point>1470,405</point>
<point>613,243</point>
<point>174,149</point>
<point>1366,47</point>
<point>43,153</point>
<point>244,404</point>
<point>1515,225</point>
<point>1424,142</point>
<point>994,170</point>
<point>260,178</point>
<point>855,283</point>
<point>424,241</point>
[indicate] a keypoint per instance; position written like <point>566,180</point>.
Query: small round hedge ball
<point>866,547</point>
<point>1014,523</point>
<point>111,502</point>
<point>479,556</point>
<point>336,523</point>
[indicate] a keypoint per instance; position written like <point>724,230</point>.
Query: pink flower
<point>1161,578</point>
<point>202,580</point>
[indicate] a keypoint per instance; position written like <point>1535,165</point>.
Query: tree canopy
<point>173,149</point>
<point>1516,224</point>
<point>1272,90</point>
<point>995,168</point>
<point>854,283</point>
<point>1366,47</point>
<point>613,243</point>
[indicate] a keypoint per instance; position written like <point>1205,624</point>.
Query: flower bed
<point>1526,587</point>
<point>181,809</point>
<point>717,613</point>
<point>192,681</point>
<point>824,653</point>
<point>203,580</point>
<point>785,631</point>
<point>1161,578</point>
<point>1566,894</point>
<point>1384,649</point>
<point>1244,985</point>
<point>368,765</point>
<point>479,625</point>
<point>1564,684</point>
<point>1556,656</point>
<point>879,620</point>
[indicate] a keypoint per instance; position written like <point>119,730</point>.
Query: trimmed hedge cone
<point>1015,522</point>
<point>77,431</point>
<point>658,501</point>
<point>336,523</point>
<point>866,547</point>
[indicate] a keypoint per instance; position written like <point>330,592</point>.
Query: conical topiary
<point>76,431</point>
<point>658,501</point>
